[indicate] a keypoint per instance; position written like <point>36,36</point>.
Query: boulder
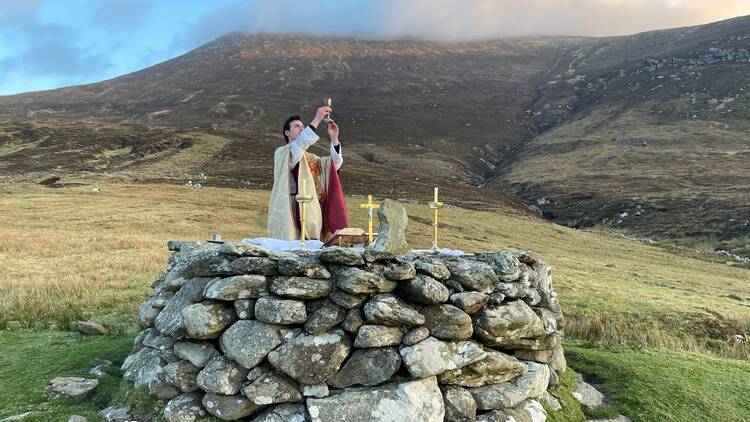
<point>387,309</point>
<point>303,265</point>
<point>325,318</point>
<point>397,271</point>
<point>183,375</point>
<point>354,319</point>
<point>377,336</point>
<point>255,265</point>
<point>206,320</point>
<point>342,256</point>
<point>434,269</point>
<point>414,400</point>
<point>242,249</point>
<point>91,328</point>
<point>392,229</point>
<point>221,376</point>
<point>415,336</point>
<point>531,384</point>
<point>287,412</point>
<point>495,368</point>
<point>272,388</point>
<point>244,308</point>
<point>469,302</point>
<point>459,404</point>
<point>433,357</point>
<point>160,388</point>
<point>74,387</point>
<point>311,359</point>
<point>347,300</point>
<point>528,411</point>
<point>238,287</point>
<point>503,325</point>
<point>423,289</point>
<point>235,345</point>
<point>169,321</point>
<point>197,353</point>
<point>506,266</point>
<point>472,275</point>
<point>367,367</point>
<point>229,408</point>
<point>185,408</point>
<point>303,288</point>
<point>273,310</point>
<point>143,366</point>
<point>587,395</point>
<point>447,322</point>
<point>356,281</point>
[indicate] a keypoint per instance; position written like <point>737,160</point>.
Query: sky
<point>47,44</point>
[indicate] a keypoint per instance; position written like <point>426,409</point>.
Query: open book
<point>349,236</point>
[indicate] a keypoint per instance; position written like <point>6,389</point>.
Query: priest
<point>292,163</point>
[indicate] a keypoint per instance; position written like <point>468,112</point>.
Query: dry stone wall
<point>243,333</point>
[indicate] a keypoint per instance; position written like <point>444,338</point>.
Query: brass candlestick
<point>303,199</point>
<point>435,205</point>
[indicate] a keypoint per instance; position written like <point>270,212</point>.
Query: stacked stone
<point>240,332</point>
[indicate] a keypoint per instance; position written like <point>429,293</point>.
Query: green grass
<point>664,385</point>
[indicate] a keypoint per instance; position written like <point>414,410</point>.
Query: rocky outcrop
<point>239,332</point>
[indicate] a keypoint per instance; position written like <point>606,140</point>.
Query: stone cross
<point>392,230</point>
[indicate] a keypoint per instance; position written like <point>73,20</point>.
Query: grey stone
<point>302,265</point>
<point>356,281</point>
<point>91,328</point>
<point>387,309</point>
<point>221,376</point>
<point>274,310</point>
<point>242,249</point>
<point>288,333</point>
<point>244,308</point>
<point>342,256</point>
<point>353,321</point>
<point>286,412</point>
<point>310,359</point>
<point>100,370</point>
<point>531,384</point>
<point>272,388</point>
<point>392,230</point>
<point>229,408</point>
<point>377,336</point>
<point>506,266</point>
<point>618,418</point>
<point>160,388</point>
<point>72,418</point>
<point>414,400</point>
<point>447,322</point>
<point>301,287</point>
<point>378,256</point>
<point>74,387</point>
<point>258,371</point>
<point>207,320</point>
<point>169,321</point>
<point>255,265</point>
<point>472,275</point>
<point>433,357</point>
<point>549,322</point>
<point>209,263</point>
<point>415,336</point>
<point>185,408</point>
<point>504,325</point>
<point>551,401</point>
<point>156,340</point>
<point>587,395</point>
<point>495,368</point>
<point>454,286</point>
<point>325,318</point>
<point>196,352</point>
<point>238,287</point>
<point>459,404</point>
<point>318,391</point>
<point>182,375</point>
<point>469,302</point>
<point>528,411</point>
<point>147,313</point>
<point>347,300</point>
<point>434,269</point>
<point>398,271</point>
<point>367,367</point>
<point>423,289</point>
<point>116,414</point>
<point>143,366</point>
<point>248,342</point>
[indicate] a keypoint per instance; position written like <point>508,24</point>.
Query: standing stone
<point>342,256</point>
<point>303,288</point>
<point>433,357</point>
<point>272,388</point>
<point>248,342</point>
<point>229,408</point>
<point>531,384</point>
<point>469,302</point>
<point>495,368</point>
<point>387,309</point>
<point>423,289</point>
<point>356,281</point>
<point>221,376</point>
<point>459,404</point>
<point>185,408</point>
<point>414,400</point>
<point>377,336</point>
<point>310,359</point>
<point>392,230</point>
<point>273,310</point>
<point>196,352</point>
<point>367,367</point>
<point>207,320</point>
<point>447,322</point>
<point>238,287</point>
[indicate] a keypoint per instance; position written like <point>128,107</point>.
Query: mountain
<point>644,133</point>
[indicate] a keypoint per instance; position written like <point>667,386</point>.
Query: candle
<point>436,194</point>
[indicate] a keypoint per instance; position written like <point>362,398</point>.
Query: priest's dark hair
<point>288,125</point>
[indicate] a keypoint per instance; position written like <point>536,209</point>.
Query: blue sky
<point>52,43</point>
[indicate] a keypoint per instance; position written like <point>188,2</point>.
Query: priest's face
<point>295,128</point>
